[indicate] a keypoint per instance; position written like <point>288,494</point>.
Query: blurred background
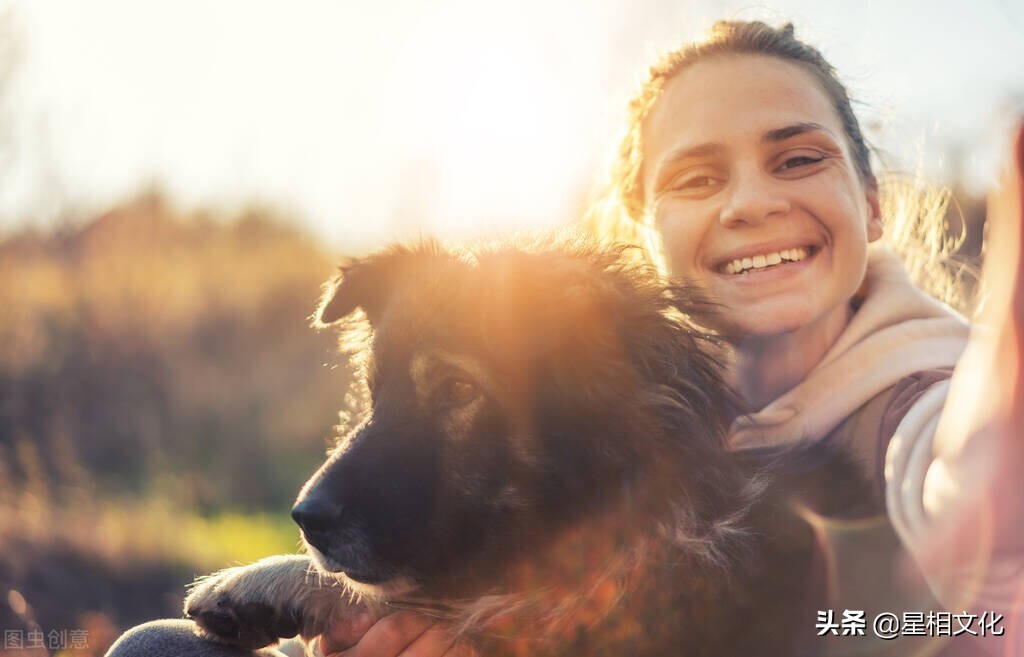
<point>178,179</point>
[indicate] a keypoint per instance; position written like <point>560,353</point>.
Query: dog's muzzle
<point>328,530</point>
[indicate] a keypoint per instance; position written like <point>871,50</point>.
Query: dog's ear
<point>370,282</point>
<point>358,284</point>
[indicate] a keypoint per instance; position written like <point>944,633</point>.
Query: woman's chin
<point>760,325</point>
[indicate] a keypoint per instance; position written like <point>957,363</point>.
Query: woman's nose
<point>751,199</point>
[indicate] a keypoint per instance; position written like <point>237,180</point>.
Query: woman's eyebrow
<point>784,133</point>
<point>684,153</point>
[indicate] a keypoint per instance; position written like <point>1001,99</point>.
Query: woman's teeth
<point>744,265</point>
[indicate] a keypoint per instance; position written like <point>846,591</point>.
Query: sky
<point>375,121</point>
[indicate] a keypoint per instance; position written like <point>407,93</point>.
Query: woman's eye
<point>694,183</point>
<point>702,181</point>
<point>458,392</point>
<point>800,161</point>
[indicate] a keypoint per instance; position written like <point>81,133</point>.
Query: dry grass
<point>161,400</point>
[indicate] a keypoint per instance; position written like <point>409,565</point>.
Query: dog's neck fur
<point>578,577</point>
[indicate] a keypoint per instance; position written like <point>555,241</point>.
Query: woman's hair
<point>913,212</point>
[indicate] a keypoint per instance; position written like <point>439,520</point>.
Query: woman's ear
<point>875,228</point>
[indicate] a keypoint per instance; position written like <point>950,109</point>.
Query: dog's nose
<point>316,515</point>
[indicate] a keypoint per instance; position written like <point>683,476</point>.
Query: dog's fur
<point>543,457</point>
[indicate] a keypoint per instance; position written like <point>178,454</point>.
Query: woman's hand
<point>402,633</point>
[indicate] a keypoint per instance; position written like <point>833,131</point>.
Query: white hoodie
<point>896,332</point>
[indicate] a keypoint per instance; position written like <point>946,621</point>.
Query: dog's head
<point>513,393</point>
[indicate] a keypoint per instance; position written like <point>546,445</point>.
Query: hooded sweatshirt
<point>895,356</point>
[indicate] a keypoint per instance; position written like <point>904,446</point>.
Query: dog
<point>541,463</point>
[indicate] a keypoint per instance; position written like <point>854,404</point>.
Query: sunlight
<point>371,123</point>
<point>496,153</point>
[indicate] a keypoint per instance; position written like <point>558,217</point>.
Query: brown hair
<point>913,213</point>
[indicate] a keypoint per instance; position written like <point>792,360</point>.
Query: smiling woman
<point>744,155</point>
<point>746,168</point>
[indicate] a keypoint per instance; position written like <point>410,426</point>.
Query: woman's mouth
<point>764,261</point>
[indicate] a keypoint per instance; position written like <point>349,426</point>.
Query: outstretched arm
<point>964,523</point>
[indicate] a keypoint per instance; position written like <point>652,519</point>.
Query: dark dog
<point>543,459</point>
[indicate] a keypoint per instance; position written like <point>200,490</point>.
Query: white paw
<point>253,606</point>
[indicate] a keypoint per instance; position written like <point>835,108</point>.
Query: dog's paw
<point>252,606</point>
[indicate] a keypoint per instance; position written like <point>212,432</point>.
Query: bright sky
<point>371,121</point>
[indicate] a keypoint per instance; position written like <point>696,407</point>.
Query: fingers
<point>402,634</point>
<point>346,632</point>
<point>391,635</point>
<point>437,642</point>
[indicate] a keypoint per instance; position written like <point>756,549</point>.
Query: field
<point>162,398</point>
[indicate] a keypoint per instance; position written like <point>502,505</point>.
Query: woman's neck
<point>769,366</point>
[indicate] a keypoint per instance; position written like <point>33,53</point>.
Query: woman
<point>745,156</point>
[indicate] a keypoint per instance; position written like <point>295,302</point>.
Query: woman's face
<point>750,181</point>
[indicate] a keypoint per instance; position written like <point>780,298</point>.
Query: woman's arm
<point>957,500</point>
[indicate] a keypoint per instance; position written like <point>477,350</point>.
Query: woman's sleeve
<point>907,461</point>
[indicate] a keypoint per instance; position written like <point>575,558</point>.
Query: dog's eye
<point>458,392</point>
